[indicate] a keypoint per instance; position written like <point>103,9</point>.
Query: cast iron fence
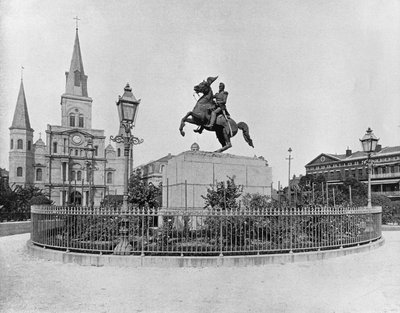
<point>205,232</point>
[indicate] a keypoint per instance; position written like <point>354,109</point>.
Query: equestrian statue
<point>210,114</point>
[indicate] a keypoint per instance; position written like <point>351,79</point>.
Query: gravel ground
<point>365,282</point>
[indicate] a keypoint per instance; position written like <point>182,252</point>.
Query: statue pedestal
<point>188,175</point>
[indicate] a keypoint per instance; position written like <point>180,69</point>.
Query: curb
<point>169,261</point>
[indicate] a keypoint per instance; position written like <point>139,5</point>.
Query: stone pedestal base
<point>188,175</point>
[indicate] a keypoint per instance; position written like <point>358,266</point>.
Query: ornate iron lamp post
<point>289,193</point>
<point>368,143</point>
<point>127,110</point>
<point>89,164</point>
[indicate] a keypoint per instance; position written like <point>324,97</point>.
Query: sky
<point>310,75</point>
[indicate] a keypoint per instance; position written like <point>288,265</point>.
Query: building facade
<point>152,171</point>
<point>385,176</point>
<point>74,165</point>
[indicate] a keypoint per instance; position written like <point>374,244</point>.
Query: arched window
<point>162,168</point>
<point>109,178</point>
<point>77,78</point>
<point>79,175</point>
<point>29,145</point>
<point>19,171</point>
<point>119,152</point>
<point>54,147</point>
<point>39,174</point>
<point>12,144</point>
<point>72,120</point>
<point>73,175</point>
<point>80,120</point>
<point>20,144</point>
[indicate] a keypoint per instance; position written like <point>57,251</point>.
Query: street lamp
<point>289,195</point>
<point>89,163</point>
<point>127,106</point>
<point>369,143</point>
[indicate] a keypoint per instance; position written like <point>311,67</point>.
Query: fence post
<point>220,232</point>
<point>142,254</point>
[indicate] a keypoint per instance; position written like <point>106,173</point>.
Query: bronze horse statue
<point>201,115</point>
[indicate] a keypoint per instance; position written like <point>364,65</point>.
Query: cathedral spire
<point>76,80</point>
<point>21,116</point>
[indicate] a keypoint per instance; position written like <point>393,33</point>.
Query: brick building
<point>385,178</point>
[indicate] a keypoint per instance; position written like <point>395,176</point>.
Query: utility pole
<point>288,190</point>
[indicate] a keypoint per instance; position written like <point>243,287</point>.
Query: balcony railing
<point>387,193</point>
<point>385,175</point>
<point>205,232</point>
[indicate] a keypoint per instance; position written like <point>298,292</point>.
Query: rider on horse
<point>220,101</point>
<point>220,107</point>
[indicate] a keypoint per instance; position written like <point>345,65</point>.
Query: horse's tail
<point>246,135</point>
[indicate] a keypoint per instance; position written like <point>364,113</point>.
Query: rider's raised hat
<point>210,80</point>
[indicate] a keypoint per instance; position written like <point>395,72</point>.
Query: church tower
<point>76,105</point>
<point>21,155</point>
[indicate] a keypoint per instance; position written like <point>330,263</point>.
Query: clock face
<point>76,139</point>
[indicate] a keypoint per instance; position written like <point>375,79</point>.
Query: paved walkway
<point>365,282</point>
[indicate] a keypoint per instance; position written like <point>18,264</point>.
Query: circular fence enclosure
<point>204,234</point>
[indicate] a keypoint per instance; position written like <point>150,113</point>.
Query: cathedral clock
<point>76,139</point>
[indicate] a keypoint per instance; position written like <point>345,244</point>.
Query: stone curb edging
<point>168,261</point>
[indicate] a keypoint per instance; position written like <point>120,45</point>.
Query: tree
<point>143,194</point>
<point>388,208</point>
<point>15,202</point>
<point>223,196</point>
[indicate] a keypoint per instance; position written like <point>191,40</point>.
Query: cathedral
<point>74,166</point>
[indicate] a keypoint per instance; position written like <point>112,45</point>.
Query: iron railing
<point>204,232</point>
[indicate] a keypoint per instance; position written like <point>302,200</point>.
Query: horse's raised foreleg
<point>183,120</point>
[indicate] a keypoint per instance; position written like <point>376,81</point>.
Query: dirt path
<point>365,282</point>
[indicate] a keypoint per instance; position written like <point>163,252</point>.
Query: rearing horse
<point>201,115</point>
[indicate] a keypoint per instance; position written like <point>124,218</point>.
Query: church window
<point>109,178</point>
<point>73,175</point>
<point>12,144</point>
<point>19,171</point>
<point>39,174</point>
<point>79,175</point>
<point>54,147</point>
<point>64,171</point>
<point>96,150</point>
<point>119,152</point>
<point>65,145</point>
<point>29,145</point>
<point>76,152</point>
<point>72,120</point>
<point>77,80</point>
<point>19,144</point>
<point>80,121</point>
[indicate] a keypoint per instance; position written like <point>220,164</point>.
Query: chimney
<point>348,152</point>
<point>378,148</point>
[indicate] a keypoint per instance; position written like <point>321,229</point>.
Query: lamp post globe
<point>127,106</point>
<point>369,142</point>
